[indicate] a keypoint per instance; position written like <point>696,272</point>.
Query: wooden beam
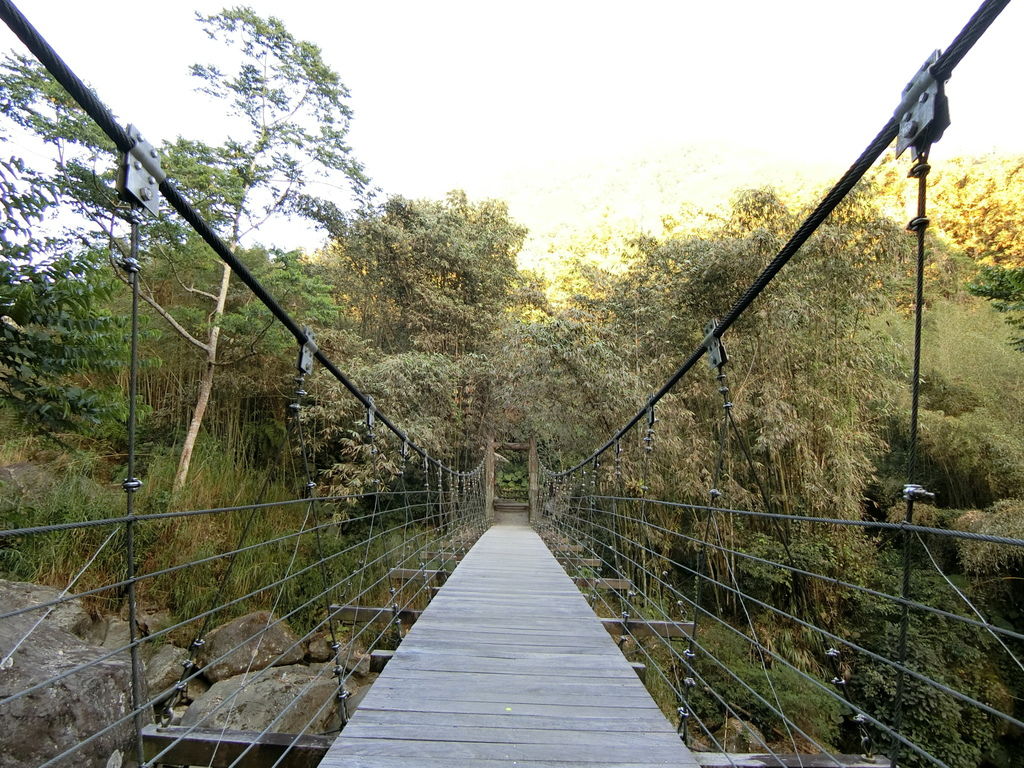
<point>640,669</point>
<point>516,446</point>
<point>533,488</point>
<point>489,478</point>
<point>750,760</point>
<point>642,628</point>
<point>420,575</point>
<point>365,614</point>
<point>620,585</point>
<point>220,748</point>
<point>379,659</point>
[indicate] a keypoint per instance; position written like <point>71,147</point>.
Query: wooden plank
<point>617,721</point>
<point>365,614</point>
<point>644,628</point>
<point>418,575</point>
<point>640,669</point>
<point>379,659</point>
<point>458,751</point>
<point>618,585</point>
<point>220,748</point>
<point>509,665</point>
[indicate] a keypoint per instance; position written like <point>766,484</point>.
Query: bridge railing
<point>709,565</point>
<point>291,569</point>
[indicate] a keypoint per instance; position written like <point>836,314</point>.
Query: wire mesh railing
<point>313,554</point>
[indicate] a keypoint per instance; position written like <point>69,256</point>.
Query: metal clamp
<point>923,113</point>
<point>307,352</point>
<point>717,356</point>
<point>138,179</point>
<point>914,492</point>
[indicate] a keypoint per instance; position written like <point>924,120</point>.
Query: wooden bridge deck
<point>508,665</point>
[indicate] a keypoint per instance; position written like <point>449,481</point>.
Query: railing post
<point>533,466</point>
<point>489,480</point>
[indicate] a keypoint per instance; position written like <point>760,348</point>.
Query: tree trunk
<point>205,384</point>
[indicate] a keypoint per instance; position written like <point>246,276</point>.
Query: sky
<point>450,94</point>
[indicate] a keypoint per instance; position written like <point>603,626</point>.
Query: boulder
<point>42,724</point>
<point>163,668</point>
<point>69,617</point>
<point>25,479</point>
<point>258,698</point>
<point>260,644</point>
<point>117,635</point>
<point>318,648</point>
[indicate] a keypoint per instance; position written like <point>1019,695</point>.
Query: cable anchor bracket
<point>915,492</point>
<point>923,112</point>
<point>717,356</point>
<point>307,352</point>
<point>140,174</point>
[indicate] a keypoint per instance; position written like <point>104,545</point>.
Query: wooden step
<point>762,760</point>
<point>366,614</point>
<point>644,628</point>
<point>379,659</point>
<point>219,748</point>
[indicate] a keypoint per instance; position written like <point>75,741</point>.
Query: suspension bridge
<point>578,627</point>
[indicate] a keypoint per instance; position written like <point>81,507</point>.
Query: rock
<point>70,616</point>
<point>150,621</point>
<point>25,479</point>
<point>43,724</point>
<point>163,668</point>
<point>358,664</point>
<point>262,697</point>
<point>251,643</point>
<point>117,635</point>
<point>739,736</point>
<point>260,644</point>
<point>318,649</point>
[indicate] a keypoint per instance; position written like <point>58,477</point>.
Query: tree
<point>289,122</point>
<point>434,276</point>
<point>292,107</point>
<point>979,207</point>
<point>52,325</point>
<point>1004,287</point>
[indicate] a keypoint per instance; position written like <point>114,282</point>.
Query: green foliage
<point>980,207</point>
<point>434,276</point>
<point>54,330</point>
<point>1004,287</point>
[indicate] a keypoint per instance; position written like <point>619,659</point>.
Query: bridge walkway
<point>508,665</point>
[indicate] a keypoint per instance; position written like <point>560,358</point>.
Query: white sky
<point>453,94</point>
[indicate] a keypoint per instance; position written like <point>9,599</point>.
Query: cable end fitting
<point>914,492</point>
<point>918,224</point>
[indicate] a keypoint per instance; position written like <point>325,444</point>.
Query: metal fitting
<point>914,492</point>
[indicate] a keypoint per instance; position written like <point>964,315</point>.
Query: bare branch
<point>146,297</point>
<point>252,346</point>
